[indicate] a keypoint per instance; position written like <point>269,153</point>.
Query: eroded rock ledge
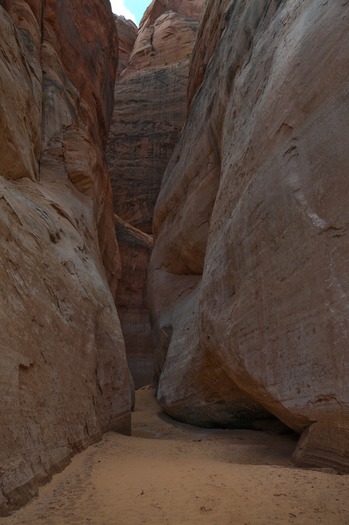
<point>248,277</point>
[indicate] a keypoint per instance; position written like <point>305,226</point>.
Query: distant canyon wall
<point>127,33</point>
<point>149,112</point>
<point>63,377</point>
<point>248,278</point>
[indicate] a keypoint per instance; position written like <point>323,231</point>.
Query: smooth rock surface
<point>251,228</point>
<point>149,112</point>
<point>63,377</point>
<point>214,21</point>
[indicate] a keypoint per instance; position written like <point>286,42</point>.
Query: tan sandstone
<point>149,112</point>
<point>63,377</point>
<point>248,278</point>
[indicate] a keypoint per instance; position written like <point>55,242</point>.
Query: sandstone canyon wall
<point>248,277</point>
<point>149,112</point>
<point>127,33</point>
<point>63,377</point>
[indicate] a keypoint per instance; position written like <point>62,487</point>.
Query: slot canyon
<point>174,291</point>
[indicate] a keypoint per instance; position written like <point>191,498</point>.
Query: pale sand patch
<point>169,473</point>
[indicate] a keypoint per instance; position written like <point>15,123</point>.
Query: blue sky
<point>132,9</point>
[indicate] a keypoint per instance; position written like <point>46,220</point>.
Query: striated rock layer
<point>149,112</point>
<point>248,278</point>
<point>63,376</point>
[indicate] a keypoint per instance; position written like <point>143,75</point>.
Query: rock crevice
<point>149,112</point>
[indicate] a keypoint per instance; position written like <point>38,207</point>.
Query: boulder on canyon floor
<point>149,113</point>
<point>248,277</point>
<point>63,378</point>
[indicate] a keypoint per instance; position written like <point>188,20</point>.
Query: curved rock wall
<point>149,112</point>
<point>248,277</point>
<point>63,377</point>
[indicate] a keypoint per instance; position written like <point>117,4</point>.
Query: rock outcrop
<point>63,378</point>
<point>127,34</point>
<point>248,277</point>
<point>149,113</point>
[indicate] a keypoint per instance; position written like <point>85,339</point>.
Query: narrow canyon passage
<point>170,473</point>
<point>174,211</point>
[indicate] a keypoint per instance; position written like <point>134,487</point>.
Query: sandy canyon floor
<point>170,473</point>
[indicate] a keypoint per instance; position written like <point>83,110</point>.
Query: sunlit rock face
<point>63,376</point>
<point>149,113</point>
<point>248,277</point>
<point>127,33</point>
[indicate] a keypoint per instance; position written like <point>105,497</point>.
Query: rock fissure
<point>149,113</point>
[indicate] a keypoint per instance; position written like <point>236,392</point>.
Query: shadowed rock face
<point>63,377</point>
<point>149,112</point>
<point>248,276</point>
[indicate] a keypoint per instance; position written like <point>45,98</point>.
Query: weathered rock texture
<point>63,375</point>
<point>127,34</point>
<point>248,277</point>
<point>149,112</point>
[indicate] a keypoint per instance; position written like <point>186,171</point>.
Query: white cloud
<point>119,8</point>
